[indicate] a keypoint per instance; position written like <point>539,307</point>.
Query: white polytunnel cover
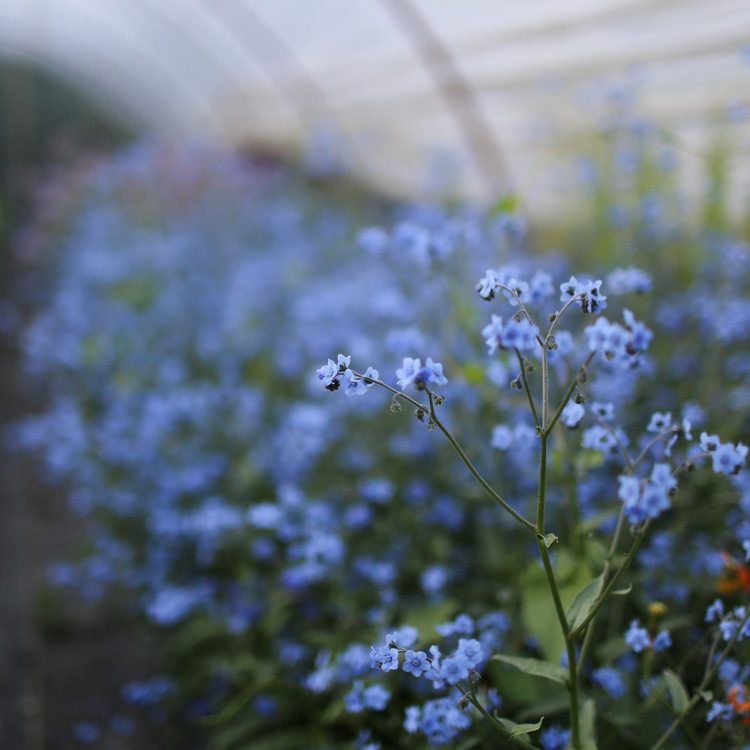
<point>481,93</point>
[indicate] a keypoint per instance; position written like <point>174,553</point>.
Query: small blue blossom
<point>519,334</point>
<point>86,732</point>
<point>715,611</point>
<point>373,240</point>
<point>610,680</point>
<point>662,641</point>
<point>637,637</point>
<point>599,438</point>
<point>359,698</point>
<point>629,491</point>
<point>416,663</point>
<point>413,716</point>
<point>729,671</point>
<point>555,737</point>
<point>654,501</point>
<point>354,385</point>
<point>728,628</point>
<point>627,280</point>
<point>471,650</point>
<point>412,372</point>
<point>433,579</point>
<point>493,333</point>
<point>608,338</point>
<point>329,373</point>
<point>540,287</point>
<point>640,335</point>
<point>661,475</point>
<point>642,502</point>
<point>588,293</point>
<point>441,720</point>
<point>463,624</point>
<point>572,414</point>
<point>515,334</point>
<point>405,637</point>
<point>728,458</point>
<point>376,697</point>
<point>659,422</point>
<point>720,711</point>
<point>516,290</point>
<point>384,658</point>
<point>709,442</point>
<point>521,439</point>
<point>603,410</point>
<point>493,699</point>
<point>489,284</point>
<point>454,668</point>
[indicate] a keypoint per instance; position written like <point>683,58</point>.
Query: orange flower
<point>736,576</point>
<point>737,698</point>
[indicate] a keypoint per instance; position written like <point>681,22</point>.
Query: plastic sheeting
<point>479,94</point>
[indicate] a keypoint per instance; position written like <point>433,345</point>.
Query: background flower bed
<point>270,534</point>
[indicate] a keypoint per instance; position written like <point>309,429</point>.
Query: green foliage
<point>535,667</point>
<point>584,602</point>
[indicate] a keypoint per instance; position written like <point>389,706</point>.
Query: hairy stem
<point>483,483</point>
<point>546,562</point>
<point>526,388</point>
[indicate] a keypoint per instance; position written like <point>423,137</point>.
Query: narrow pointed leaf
<point>584,601</point>
<point>622,592</point>
<point>548,539</point>
<point>535,667</point>
<point>677,692</point>
<point>518,732</point>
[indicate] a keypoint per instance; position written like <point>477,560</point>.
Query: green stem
<point>394,391</point>
<point>569,646</point>
<point>569,393</point>
<point>526,388</point>
<point>545,388</point>
<point>697,697</point>
<point>483,483</point>
<point>548,570</point>
<point>541,496</point>
<point>487,715</point>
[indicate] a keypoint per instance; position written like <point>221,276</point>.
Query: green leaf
<point>520,729</point>
<point>588,725</point>
<point>548,539</point>
<point>584,601</point>
<point>535,667</point>
<point>537,607</point>
<point>518,732</point>
<point>622,592</point>
<point>528,691</point>
<point>677,692</point>
<point>555,700</point>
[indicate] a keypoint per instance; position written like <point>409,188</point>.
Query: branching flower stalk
<point>518,335</point>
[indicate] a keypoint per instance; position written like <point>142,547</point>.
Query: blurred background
<point>135,134</point>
